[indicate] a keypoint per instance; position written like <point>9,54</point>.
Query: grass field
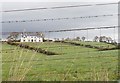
<point>60,47</point>
<point>98,44</point>
<point>72,63</point>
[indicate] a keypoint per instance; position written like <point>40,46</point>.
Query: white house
<point>30,38</point>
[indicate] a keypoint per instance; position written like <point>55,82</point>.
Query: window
<point>32,40</point>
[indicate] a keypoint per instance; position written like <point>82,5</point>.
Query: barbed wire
<point>66,30</point>
<point>54,19</point>
<point>58,7</point>
<point>104,27</point>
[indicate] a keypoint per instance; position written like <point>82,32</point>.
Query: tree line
<point>95,39</point>
<point>13,36</point>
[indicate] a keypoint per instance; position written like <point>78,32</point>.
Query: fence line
<point>107,27</point>
<point>104,27</point>
<point>65,18</point>
<point>59,7</point>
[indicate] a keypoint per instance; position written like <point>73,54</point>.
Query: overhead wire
<point>55,19</point>
<point>74,29</point>
<point>58,7</point>
<point>77,29</point>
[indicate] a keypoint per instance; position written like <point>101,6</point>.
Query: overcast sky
<point>62,24</point>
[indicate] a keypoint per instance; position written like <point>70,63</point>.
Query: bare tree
<point>77,38</point>
<point>102,39</point>
<point>83,38</point>
<point>13,36</point>
<point>95,38</point>
<point>67,39</point>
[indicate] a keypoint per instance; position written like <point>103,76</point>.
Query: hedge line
<point>39,50</point>
<point>89,46</point>
<point>103,49</point>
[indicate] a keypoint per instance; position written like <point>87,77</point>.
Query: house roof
<point>32,34</point>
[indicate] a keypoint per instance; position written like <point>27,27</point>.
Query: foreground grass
<point>74,63</point>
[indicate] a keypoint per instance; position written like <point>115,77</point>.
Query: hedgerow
<point>90,46</point>
<point>39,50</point>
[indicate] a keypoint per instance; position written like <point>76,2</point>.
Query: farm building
<point>30,38</point>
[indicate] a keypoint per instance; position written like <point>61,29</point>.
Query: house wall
<point>31,39</point>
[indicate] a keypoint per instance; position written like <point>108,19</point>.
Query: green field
<point>60,48</point>
<point>101,44</point>
<point>72,63</point>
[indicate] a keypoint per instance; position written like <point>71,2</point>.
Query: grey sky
<point>59,13</point>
